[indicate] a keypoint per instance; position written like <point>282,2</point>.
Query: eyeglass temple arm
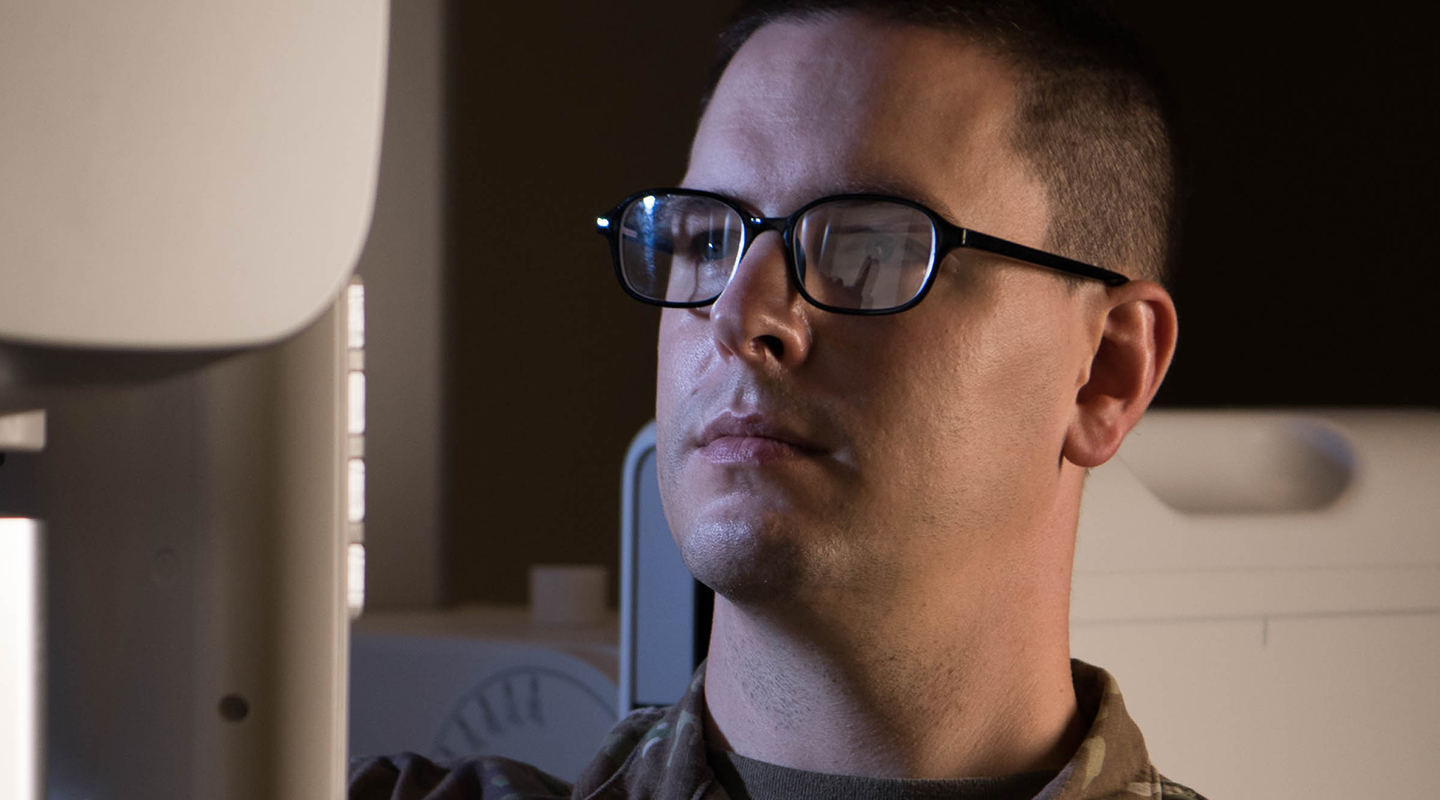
<point>1019,252</point>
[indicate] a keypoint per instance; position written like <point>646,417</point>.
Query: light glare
<point>356,307</point>
<point>21,633</point>
<point>357,402</point>
<point>355,579</point>
<point>356,491</point>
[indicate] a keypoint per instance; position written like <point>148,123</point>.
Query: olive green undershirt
<point>748,779</point>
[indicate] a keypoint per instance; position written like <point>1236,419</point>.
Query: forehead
<point>814,107</point>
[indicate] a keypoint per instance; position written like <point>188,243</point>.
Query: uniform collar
<point>659,753</point>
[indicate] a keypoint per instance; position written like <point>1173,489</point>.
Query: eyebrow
<point>897,189</point>
<point>869,186</point>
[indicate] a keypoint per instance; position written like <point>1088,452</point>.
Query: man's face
<point>803,452</point>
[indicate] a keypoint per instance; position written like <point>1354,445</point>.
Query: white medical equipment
<point>1265,585</point>
<point>184,189</point>
<point>484,680</point>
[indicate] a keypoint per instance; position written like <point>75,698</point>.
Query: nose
<point>761,317</point>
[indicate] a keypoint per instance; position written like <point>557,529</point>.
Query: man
<point>873,424</point>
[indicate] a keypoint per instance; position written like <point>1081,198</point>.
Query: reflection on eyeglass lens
<point>865,254</point>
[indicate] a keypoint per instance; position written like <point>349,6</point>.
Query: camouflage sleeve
<point>1170,790</point>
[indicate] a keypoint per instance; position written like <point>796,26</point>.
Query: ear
<point>1137,341</point>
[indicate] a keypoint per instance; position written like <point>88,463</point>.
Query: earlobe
<point>1136,344</point>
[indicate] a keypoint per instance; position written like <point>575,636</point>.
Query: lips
<point>752,438</point>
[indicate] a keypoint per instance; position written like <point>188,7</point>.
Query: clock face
<point>531,713</point>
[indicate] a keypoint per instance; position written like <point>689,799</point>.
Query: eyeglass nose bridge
<point>754,226</point>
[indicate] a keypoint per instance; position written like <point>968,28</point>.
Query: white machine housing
<point>184,191</point>
<point>180,174</point>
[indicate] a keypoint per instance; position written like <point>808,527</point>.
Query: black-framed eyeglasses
<point>848,253</point>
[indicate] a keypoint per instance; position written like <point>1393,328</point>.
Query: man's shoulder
<point>409,776</point>
<point>414,777</point>
<point>1149,785</point>
<point>638,730</point>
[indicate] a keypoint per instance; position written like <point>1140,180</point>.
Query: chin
<point>773,561</point>
<point>747,561</point>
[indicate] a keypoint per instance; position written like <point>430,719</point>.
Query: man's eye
<point>709,246</point>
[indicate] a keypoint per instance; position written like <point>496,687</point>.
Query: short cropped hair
<point>1091,120</point>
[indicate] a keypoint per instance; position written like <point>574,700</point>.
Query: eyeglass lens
<point>679,248</point>
<point>863,254</point>
<point>853,254</point>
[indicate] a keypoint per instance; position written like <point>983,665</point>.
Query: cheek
<point>1026,386</point>
<point>664,372</point>
<point>1018,354</point>
<point>981,410</point>
<point>670,378</point>
<point>681,359</point>
<point>681,355</point>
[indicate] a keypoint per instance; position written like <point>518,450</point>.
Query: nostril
<point>772,343</point>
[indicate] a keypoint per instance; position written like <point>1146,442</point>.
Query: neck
<point>930,682</point>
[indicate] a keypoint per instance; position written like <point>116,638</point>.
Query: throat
<point>951,704</point>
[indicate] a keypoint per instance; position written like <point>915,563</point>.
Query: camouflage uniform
<point>659,754</point>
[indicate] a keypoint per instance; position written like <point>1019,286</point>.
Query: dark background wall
<point>1307,275</point>
<point>558,110</point>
